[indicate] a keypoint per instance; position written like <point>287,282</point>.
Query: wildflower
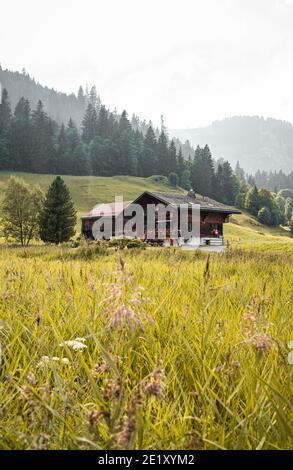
<point>100,369</point>
<point>234,368</point>
<point>82,340</point>
<point>127,429</point>
<point>6,378</point>
<point>263,342</point>
<point>113,389</point>
<point>75,344</point>
<point>125,315</point>
<point>94,418</point>
<point>25,392</point>
<point>121,264</point>
<point>156,384</point>
<point>45,360</point>
<point>31,379</point>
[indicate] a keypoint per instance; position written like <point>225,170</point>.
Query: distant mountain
<point>58,105</point>
<point>258,143</point>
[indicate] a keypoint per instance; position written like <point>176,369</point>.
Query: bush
<point>264,216</point>
<point>240,200</point>
<point>173,179</point>
<point>89,250</point>
<point>128,243</point>
<point>158,179</point>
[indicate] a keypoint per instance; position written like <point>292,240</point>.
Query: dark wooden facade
<point>212,214</point>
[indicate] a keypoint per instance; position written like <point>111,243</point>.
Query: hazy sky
<point>193,61</point>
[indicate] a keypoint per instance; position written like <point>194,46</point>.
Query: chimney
<point>191,193</point>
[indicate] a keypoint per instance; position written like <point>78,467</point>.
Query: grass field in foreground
<point>167,349</point>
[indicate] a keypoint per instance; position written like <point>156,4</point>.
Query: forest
<point>106,144</point>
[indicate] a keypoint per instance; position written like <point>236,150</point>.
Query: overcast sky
<point>194,61</point>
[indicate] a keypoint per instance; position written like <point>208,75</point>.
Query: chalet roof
<point>206,203</point>
<point>175,199</point>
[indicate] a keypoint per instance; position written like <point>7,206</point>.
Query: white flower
<point>45,360</point>
<point>75,344</point>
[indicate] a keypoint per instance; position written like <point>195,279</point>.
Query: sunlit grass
<point>183,351</point>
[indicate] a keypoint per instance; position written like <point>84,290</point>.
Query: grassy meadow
<point>145,349</point>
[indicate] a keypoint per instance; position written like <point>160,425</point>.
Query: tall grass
<point>154,349</point>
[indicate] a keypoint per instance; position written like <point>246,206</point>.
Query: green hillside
<point>87,191</point>
<point>244,231</point>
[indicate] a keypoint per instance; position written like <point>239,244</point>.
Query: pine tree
<point>148,160</point>
<point>181,167</point>
<point>103,123</point>
<point>239,171</point>
<point>124,124</point>
<point>76,155</point>
<point>21,137</point>
<point>42,129</point>
<point>94,99</point>
<point>197,172</point>
<point>172,157</point>
<point>90,124</point>
<point>5,128</point>
<point>229,184</point>
<point>207,173</point>
<point>163,154</point>
<point>81,97</point>
<point>58,217</point>
<point>252,201</point>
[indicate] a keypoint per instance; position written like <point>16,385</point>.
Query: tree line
<point>272,180</point>
<point>107,144</point>
<point>269,207</point>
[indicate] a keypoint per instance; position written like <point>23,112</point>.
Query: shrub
<point>240,200</point>
<point>264,216</point>
<point>173,179</point>
<point>92,249</point>
<point>158,179</point>
<point>129,243</point>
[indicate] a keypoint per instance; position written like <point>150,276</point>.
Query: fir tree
<point>21,137</point>
<point>5,128</point>
<point>89,124</point>
<point>172,157</point>
<point>163,154</point>
<point>42,128</point>
<point>148,160</point>
<point>103,123</point>
<point>229,186</point>
<point>58,217</point>
<point>181,167</point>
<point>252,201</point>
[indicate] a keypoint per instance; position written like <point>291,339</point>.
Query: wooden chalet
<point>213,216</point>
